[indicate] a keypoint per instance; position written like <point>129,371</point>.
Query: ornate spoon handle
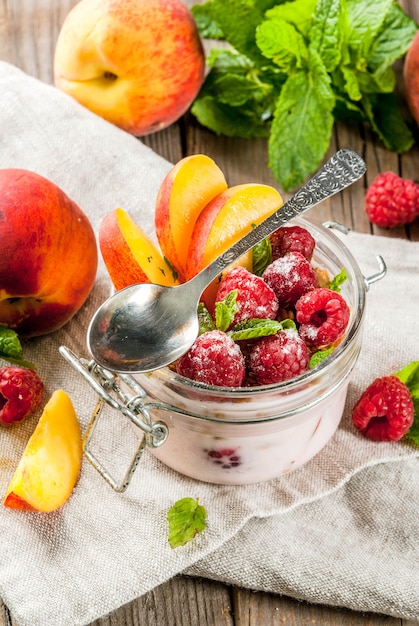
<point>342,169</point>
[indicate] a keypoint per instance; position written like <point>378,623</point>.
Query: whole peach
<point>49,257</point>
<point>137,63</point>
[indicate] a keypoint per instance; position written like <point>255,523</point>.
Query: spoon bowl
<point>145,326</point>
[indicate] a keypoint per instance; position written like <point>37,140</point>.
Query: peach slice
<point>129,255</point>
<point>183,194</point>
<point>226,219</point>
<point>50,465</point>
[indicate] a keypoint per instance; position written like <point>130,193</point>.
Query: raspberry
<point>322,315</point>
<point>292,239</point>
<point>21,393</point>
<point>290,277</point>
<point>214,359</point>
<point>255,299</point>
<point>392,201</point>
<point>226,458</point>
<point>385,410</point>
<point>278,357</point>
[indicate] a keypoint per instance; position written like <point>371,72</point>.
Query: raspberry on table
<point>278,357</point>
<point>292,239</point>
<point>391,200</point>
<point>214,359</point>
<point>21,393</point>
<point>385,410</point>
<point>322,315</point>
<point>290,277</point>
<point>255,299</point>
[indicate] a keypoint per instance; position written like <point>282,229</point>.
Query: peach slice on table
<point>187,188</point>
<point>226,219</point>
<point>129,255</point>
<point>50,465</point>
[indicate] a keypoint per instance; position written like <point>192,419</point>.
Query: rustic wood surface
<point>28,32</point>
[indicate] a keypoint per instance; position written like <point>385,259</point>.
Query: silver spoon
<point>144,327</point>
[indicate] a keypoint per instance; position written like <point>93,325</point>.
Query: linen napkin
<point>103,549</point>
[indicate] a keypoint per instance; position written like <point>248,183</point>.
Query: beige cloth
<point>343,530</point>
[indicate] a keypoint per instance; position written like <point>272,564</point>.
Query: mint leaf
<point>280,41</point>
<point>10,345</point>
<point>318,357</point>
<point>338,280</point>
<point>225,310</point>
<point>302,126</point>
<point>299,13</point>
<point>393,39</point>
<point>365,20</point>
<point>186,518</point>
<point>11,349</point>
<point>409,375</point>
<point>386,120</point>
<point>325,32</point>
<point>261,256</point>
<point>206,323</point>
<point>204,19</point>
<point>256,328</point>
<point>238,20</point>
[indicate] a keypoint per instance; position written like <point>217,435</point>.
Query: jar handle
<point>382,267</point>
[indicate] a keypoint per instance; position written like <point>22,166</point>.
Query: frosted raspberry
<point>322,315</point>
<point>21,393</point>
<point>292,239</point>
<point>278,357</point>
<point>214,359</point>
<point>290,277</point>
<point>255,299</point>
<point>392,201</point>
<point>385,410</point>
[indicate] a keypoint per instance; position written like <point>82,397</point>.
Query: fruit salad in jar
<point>263,388</point>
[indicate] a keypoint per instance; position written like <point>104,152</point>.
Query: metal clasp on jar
<point>107,386</point>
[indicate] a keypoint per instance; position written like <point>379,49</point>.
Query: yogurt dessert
<point>265,425</point>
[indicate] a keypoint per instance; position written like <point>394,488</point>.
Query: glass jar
<point>247,435</point>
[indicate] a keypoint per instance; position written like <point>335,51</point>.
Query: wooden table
<point>28,32</point>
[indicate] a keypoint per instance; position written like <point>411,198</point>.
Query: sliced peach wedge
<point>50,465</point>
<point>227,218</point>
<point>188,187</point>
<point>129,255</point>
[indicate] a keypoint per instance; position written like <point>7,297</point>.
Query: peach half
<point>129,255</point>
<point>188,187</point>
<point>50,465</point>
<point>226,219</point>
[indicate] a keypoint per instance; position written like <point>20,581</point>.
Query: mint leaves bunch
<point>296,67</point>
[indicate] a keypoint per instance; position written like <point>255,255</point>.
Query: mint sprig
<point>294,68</point>
<point>225,311</point>
<point>319,356</point>
<point>261,256</point>
<point>409,375</point>
<point>338,280</point>
<point>186,518</point>
<point>256,328</point>
<point>206,323</point>
<point>11,348</point>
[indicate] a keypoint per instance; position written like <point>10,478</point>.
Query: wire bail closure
<point>107,385</point>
